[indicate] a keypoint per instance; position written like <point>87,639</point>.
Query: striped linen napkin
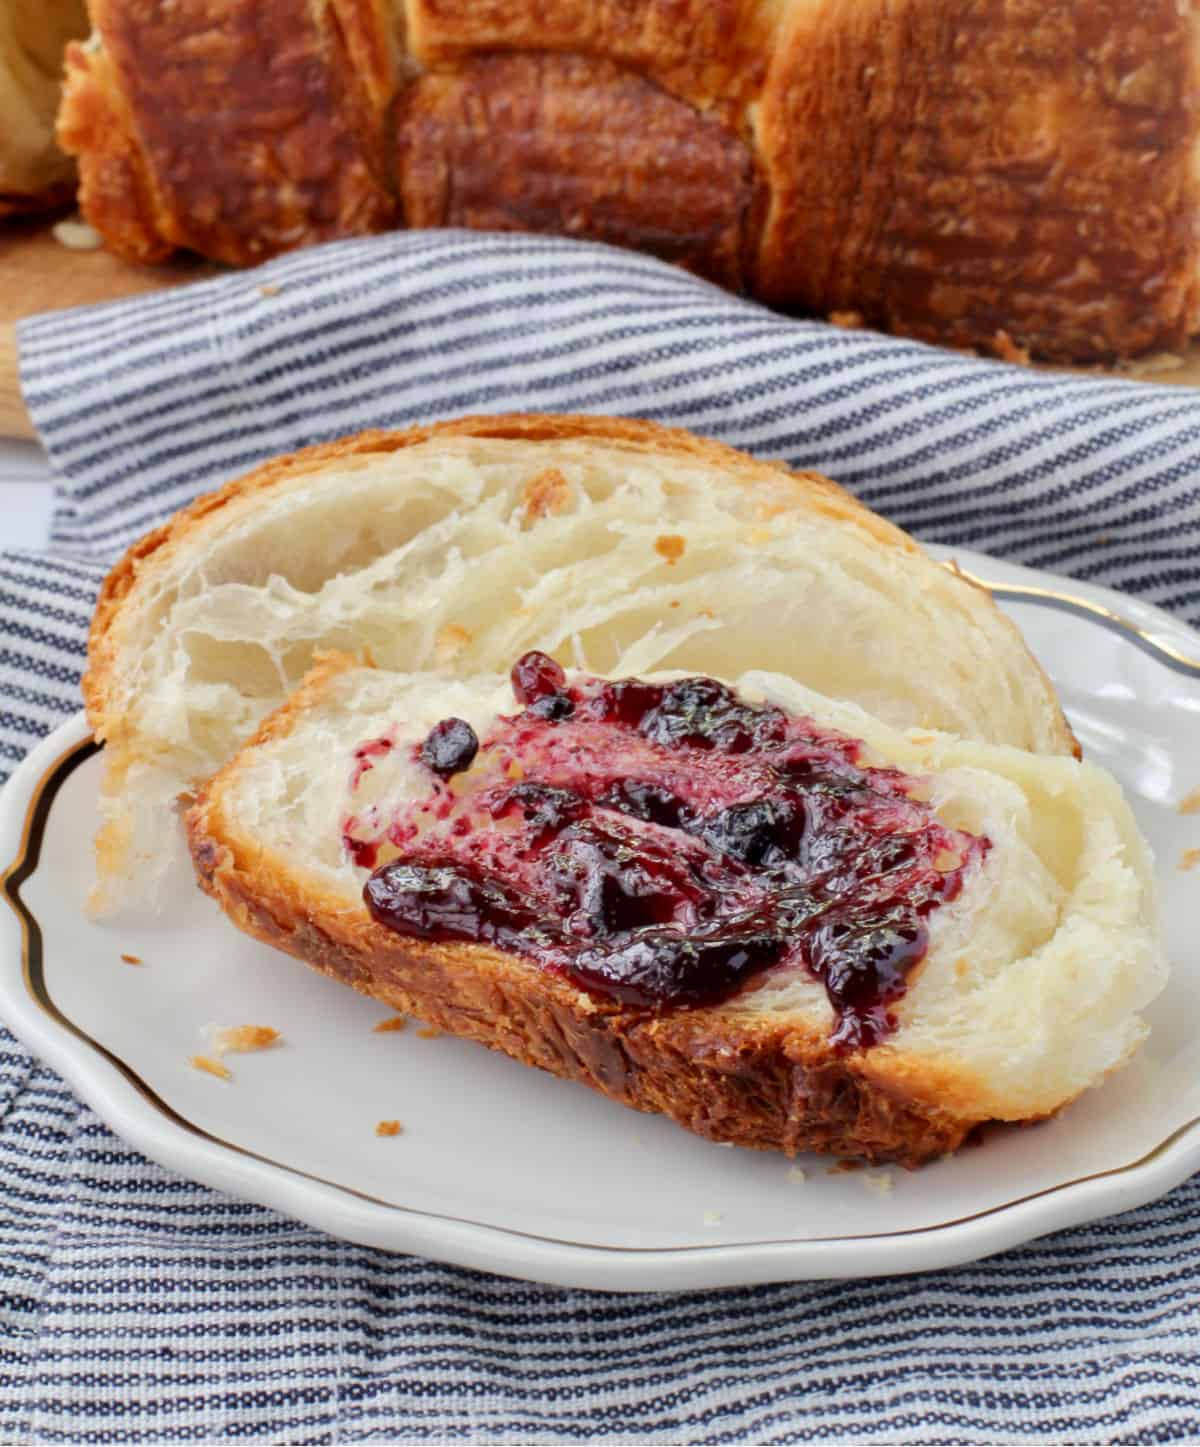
<point>136,1306</point>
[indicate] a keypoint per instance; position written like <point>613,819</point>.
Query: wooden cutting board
<point>38,273</point>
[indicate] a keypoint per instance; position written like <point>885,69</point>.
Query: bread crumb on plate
<point>390,1025</point>
<point>1189,859</point>
<point>880,1184</point>
<point>208,1066</point>
<point>132,959</point>
<point>797,1175</point>
<point>1190,803</point>
<point>389,1128</point>
<point>243,1038</point>
<point>428,1032</point>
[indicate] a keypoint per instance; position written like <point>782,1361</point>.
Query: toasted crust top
<point>591,149</point>
<point>298,155</point>
<point>1012,175</point>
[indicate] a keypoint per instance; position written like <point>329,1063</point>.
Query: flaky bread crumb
<point>244,1038</point>
<point>132,959</point>
<point>387,1027</point>
<point>1008,351</point>
<point>449,643</point>
<point>546,494</point>
<point>210,1067</point>
<point>389,1128</point>
<point>1189,859</point>
<point>1190,803</point>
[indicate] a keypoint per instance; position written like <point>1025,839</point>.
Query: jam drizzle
<point>667,844</point>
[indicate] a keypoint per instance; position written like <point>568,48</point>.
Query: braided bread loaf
<point>985,173</point>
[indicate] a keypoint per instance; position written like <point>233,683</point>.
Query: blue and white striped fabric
<point>135,1306</point>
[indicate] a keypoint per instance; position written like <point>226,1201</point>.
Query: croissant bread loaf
<point>35,174</point>
<point>458,546</point>
<point>1001,174</point>
<point>898,936</point>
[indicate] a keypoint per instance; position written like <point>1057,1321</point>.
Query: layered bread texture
<point>1031,989</point>
<point>622,546</point>
<point>1002,174</point>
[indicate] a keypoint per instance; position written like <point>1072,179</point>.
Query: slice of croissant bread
<point>458,546</point>
<point>1001,174</point>
<point>540,877</point>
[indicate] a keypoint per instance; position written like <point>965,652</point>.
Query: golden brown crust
<point>711,53</point>
<point>297,158</point>
<point>987,166</point>
<point>955,170</point>
<point>574,146</point>
<point>372,34</point>
<point>546,494</point>
<point>116,191</point>
<point>736,1077</point>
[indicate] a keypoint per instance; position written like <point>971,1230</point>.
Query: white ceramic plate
<point>503,1168</point>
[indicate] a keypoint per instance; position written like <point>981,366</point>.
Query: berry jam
<point>449,748</point>
<point>670,844</point>
<point>365,756</point>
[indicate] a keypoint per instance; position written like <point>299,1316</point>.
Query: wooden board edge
<point>14,419</point>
